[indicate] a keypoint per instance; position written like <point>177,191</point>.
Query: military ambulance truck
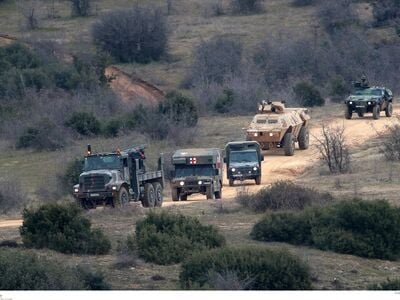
<point>115,178</point>
<point>243,161</point>
<point>197,171</point>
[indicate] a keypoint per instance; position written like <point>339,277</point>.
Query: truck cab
<point>118,177</point>
<point>197,171</point>
<point>243,161</point>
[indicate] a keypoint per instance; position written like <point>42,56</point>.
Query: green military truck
<point>197,171</point>
<point>243,161</point>
<point>118,177</point>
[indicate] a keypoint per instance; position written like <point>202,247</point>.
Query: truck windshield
<point>243,156</point>
<point>106,162</point>
<point>369,92</point>
<point>193,170</point>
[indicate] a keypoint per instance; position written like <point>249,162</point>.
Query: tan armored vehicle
<point>276,126</point>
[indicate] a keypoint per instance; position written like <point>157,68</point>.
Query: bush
<point>307,95</point>
<point>71,175</point>
<point>12,198</point>
<point>138,34</point>
<point>388,285</point>
<point>62,228</point>
<point>246,6</point>
<point>80,8</point>
<point>44,136</point>
<point>23,270</point>
<point>167,238</point>
<point>283,195</point>
<point>215,60</point>
<point>339,89</point>
<point>179,109</point>
<point>391,143</point>
<point>363,228</point>
<point>225,102</point>
<point>263,269</point>
<point>336,15</point>
<point>84,123</point>
<point>386,11</point>
<point>112,128</point>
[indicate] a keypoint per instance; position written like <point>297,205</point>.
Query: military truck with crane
<point>117,178</point>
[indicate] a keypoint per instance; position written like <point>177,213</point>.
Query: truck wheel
<point>258,180</point>
<point>149,199</point>
<point>348,113</point>
<point>389,110</point>
<point>376,112</point>
<point>218,194</point>
<point>121,199</point>
<point>231,181</point>
<point>288,144</point>
<point>158,190</point>
<point>209,193</point>
<point>174,194</point>
<point>304,138</point>
<point>183,197</point>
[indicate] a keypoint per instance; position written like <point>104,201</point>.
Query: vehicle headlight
<point>76,190</point>
<point>114,188</point>
<point>256,134</point>
<point>369,103</point>
<point>200,182</point>
<point>271,134</point>
<point>351,102</point>
<point>255,169</point>
<point>233,169</point>
<point>182,183</point>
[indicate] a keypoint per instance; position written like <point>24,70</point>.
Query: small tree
<point>307,95</point>
<point>80,8</point>
<point>391,144</point>
<point>179,109</point>
<point>246,6</point>
<point>333,149</point>
<point>84,123</point>
<point>138,34</point>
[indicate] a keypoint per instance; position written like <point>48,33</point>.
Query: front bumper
<point>264,137</point>
<point>102,195</point>
<point>244,174</point>
<point>192,187</point>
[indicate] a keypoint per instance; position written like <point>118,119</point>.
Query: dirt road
<point>276,166</point>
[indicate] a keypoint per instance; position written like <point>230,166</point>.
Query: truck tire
<point>360,114</point>
<point>209,193</point>
<point>158,190</point>
<point>348,113</point>
<point>289,144</point>
<point>376,112</point>
<point>149,199</point>
<point>304,138</point>
<point>218,194</point>
<point>231,181</point>
<point>174,194</point>
<point>122,198</point>
<point>389,110</point>
<point>184,197</point>
<point>258,180</point>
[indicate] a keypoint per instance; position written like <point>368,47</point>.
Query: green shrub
<point>307,95</point>
<point>62,228</point>
<point>84,123</point>
<point>363,228</point>
<point>264,269</point>
<point>339,89</point>
<point>167,238</point>
<point>389,284</point>
<point>71,174</point>
<point>112,128</point>
<point>45,135</point>
<point>179,109</point>
<point>24,270</point>
<point>225,102</point>
<point>283,195</point>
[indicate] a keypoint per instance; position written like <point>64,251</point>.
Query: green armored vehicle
<point>197,171</point>
<point>369,100</point>
<point>118,177</point>
<point>243,161</point>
